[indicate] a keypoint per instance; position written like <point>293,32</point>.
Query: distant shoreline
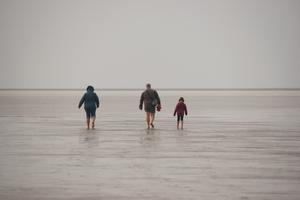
<point>161,89</point>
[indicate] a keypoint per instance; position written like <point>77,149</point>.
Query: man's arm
<point>157,97</point>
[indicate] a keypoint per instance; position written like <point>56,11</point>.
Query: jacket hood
<point>90,88</point>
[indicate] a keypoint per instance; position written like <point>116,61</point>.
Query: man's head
<point>148,86</point>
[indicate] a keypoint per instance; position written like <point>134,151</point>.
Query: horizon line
<point>162,89</point>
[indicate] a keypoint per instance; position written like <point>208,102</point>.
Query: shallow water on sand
<point>236,146</point>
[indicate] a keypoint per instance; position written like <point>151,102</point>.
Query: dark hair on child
<point>181,99</point>
<point>90,88</point>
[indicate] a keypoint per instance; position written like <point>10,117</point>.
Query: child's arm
<point>97,100</point>
<point>175,110</point>
<point>81,101</point>
<point>185,109</point>
<point>141,101</point>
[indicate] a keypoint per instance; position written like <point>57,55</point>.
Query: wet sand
<point>239,146</point>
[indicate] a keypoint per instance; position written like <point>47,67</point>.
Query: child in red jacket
<point>180,110</point>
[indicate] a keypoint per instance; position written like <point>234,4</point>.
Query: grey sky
<point>172,44</point>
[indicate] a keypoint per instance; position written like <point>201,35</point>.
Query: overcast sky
<point>169,43</point>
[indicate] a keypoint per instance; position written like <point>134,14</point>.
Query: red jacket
<point>180,109</point>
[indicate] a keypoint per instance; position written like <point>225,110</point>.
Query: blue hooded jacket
<point>90,99</point>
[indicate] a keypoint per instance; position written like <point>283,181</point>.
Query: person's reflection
<point>150,137</point>
<point>90,138</point>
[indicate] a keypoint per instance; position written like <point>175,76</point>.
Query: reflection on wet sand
<point>89,137</point>
<point>232,148</point>
<point>150,137</point>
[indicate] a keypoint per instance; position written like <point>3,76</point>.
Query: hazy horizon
<point>195,89</point>
<point>234,44</point>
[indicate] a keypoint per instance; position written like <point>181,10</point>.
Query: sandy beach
<point>235,146</point>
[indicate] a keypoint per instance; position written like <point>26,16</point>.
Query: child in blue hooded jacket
<point>91,103</point>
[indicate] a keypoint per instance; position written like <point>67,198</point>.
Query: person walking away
<point>91,103</point>
<point>180,109</point>
<point>151,101</point>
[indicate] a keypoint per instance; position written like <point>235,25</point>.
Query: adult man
<point>151,100</point>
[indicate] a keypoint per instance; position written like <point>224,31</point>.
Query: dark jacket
<point>180,109</point>
<point>148,96</point>
<point>90,100</point>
